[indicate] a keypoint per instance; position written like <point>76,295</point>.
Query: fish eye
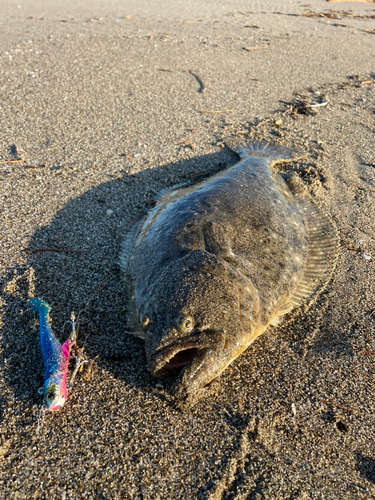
<point>186,323</point>
<point>145,321</point>
<point>50,394</point>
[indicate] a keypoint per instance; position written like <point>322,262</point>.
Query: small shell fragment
<point>365,256</point>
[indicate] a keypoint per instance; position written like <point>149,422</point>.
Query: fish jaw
<point>166,357</point>
<point>206,367</point>
<point>200,363</point>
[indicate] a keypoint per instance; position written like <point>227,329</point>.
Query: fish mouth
<point>182,358</point>
<point>195,362</point>
<point>176,357</point>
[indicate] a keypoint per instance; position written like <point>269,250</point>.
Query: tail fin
<point>40,306</point>
<point>266,150</point>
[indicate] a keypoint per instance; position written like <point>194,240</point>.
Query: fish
<point>55,359</point>
<point>213,266</point>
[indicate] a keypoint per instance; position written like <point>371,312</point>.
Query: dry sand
<point>103,109</point>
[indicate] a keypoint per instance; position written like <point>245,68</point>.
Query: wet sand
<point>106,104</point>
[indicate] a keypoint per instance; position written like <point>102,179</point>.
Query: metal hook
<point>79,363</point>
<point>72,321</point>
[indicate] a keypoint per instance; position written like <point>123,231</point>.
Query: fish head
<point>194,325</point>
<point>55,393</point>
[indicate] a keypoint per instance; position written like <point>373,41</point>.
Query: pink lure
<point>55,359</point>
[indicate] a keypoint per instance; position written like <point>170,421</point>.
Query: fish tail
<point>40,306</point>
<point>266,150</point>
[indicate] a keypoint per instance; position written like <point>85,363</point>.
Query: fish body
<point>55,359</point>
<point>214,265</point>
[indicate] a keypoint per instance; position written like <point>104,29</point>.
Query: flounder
<point>212,266</point>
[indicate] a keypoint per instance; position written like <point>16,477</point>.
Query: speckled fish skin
<point>213,265</point>
<point>55,359</point>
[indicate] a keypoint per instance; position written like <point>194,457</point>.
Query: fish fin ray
<point>265,150</point>
<point>276,321</point>
<point>181,185</point>
<point>128,238</point>
<point>126,246</point>
<point>323,245</point>
<point>281,309</point>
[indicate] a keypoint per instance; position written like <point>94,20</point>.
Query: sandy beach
<point>104,104</point>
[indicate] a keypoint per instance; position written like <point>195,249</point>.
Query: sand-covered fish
<point>214,265</point>
<point>55,359</point>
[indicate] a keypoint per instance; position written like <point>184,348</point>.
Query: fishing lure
<point>55,358</point>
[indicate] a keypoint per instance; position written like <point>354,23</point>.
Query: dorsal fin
<point>128,238</point>
<point>322,240</point>
<point>265,150</point>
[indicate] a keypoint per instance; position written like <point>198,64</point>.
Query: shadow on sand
<point>70,281</point>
